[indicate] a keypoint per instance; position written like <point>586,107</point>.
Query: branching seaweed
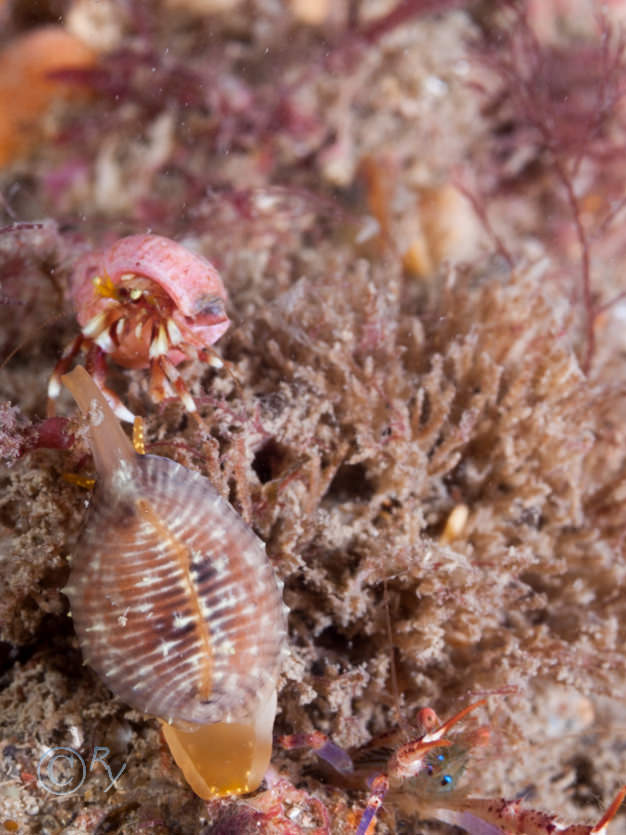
<point>563,105</point>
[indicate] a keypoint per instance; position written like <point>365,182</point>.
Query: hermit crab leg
<point>61,368</point>
<point>158,383</point>
<point>210,357</point>
<point>96,366</point>
<point>174,377</point>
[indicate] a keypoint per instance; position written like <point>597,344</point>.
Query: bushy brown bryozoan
<point>362,410</point>
<point>401,417</point>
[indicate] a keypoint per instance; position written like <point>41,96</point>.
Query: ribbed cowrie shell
<point>176,606</point>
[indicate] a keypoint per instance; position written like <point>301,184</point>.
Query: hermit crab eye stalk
<point>210,307</point>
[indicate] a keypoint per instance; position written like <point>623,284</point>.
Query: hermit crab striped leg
<point>96,366</point>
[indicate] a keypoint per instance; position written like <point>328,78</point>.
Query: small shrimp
<point>423,776</point>
<point>428,779</point>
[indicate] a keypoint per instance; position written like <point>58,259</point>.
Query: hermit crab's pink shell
<point>192,283</point>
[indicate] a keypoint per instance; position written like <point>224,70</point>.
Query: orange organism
<point>26,88</point>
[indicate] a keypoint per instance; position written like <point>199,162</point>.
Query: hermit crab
<point>423,777</point>
<point>145,302</point>
<point>176,606</point>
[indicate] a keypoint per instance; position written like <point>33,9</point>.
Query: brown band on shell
<point>201,631</point>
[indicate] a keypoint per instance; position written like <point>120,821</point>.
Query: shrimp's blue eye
<point>441,757</point>
<point>446,780</point>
